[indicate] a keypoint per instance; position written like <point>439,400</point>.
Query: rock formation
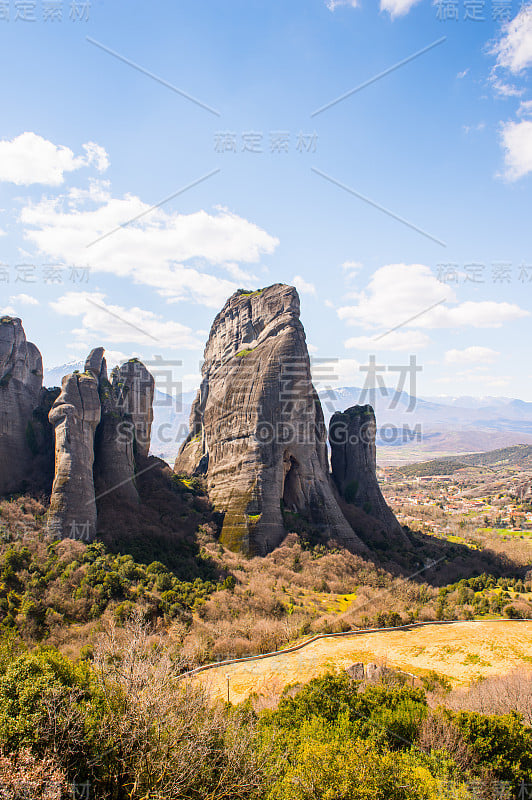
<point>256,426</point>
<point>114,460</point>
<point>356,671</point>
<point>20,392</point>
<point>98,423</point>
<point>134,387</point>
<point>354,464</point>
<point>75,416</point>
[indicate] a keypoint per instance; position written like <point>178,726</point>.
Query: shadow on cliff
<point>163,526</point>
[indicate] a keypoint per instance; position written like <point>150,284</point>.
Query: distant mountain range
<point>409,429</point>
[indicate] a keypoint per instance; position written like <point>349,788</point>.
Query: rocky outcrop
<point>114,461</point>
<point>356,671</point>
<point>134,388</point>
<point>256,427</point>
<point>75,416</point>
<point>354,464</point>
<point>98,424</point>
<point>20,393</point>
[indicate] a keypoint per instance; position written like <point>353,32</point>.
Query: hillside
<point>519,456</point>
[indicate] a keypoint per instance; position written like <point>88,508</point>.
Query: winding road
<point>461,651</point>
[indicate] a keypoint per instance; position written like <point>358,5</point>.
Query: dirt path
<point>462,651</point>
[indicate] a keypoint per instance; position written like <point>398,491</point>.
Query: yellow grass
<point>462,651</point>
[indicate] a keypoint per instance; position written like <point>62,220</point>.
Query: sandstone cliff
<point>354,465</point>
<point>256,426</point>
<point>20,393</point>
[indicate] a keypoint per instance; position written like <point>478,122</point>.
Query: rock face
<point>98,423</point>
<point>75,416</point>
<point>354,464</point>
<point>20,391</point>
<point>256,426</point>
<point>134,388</point>
<point>114,462</point>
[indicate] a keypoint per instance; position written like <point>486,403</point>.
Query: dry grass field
<point>461,651</point>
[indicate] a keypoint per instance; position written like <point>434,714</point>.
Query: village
<point>474,499</point>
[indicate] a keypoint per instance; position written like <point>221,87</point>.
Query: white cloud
<point>503,88</point>
<point>514,48</point>
<point>411,341</point>
<point>486,381</point>
<point>303,286</point>
<point>525,108</point>
<point>335,372</point>
<point>97,155</point>
<point>240,274</point>
<point>81,349</point>
<point>24,299</point>
<point>2,232</point>
<point>462,74</point>
<point>471,355</point>
<point>28,158</point>
<point>351,269</point>
<point>191,381</point>
<point>329,303</point>
<point>333,4</point>
<point>352,266</point>
<point>397,8</point>
<point>105,322</point>
<point>169,252</point>
<point>398,293</point>
<point>474,128</point>
<point>14,303</point>
<point>516,140</point>
<point>117,357</point>
<point>497,381</point>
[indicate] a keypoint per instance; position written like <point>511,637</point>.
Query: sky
<point>155,157</point>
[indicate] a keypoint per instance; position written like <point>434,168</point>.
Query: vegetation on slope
<point>517,455</point>
<point>125,727</point>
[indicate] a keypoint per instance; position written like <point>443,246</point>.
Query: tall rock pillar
<point>20,391</point>
<point>354,464</point>
<point>256,427</point>
<point>75,416</point>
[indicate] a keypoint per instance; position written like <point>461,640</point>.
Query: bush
<point>501,742</point>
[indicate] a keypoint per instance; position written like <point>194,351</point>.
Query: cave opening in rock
<point>292,494</point>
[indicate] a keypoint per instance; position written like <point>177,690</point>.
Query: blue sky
<point>444,142</point>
